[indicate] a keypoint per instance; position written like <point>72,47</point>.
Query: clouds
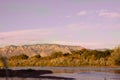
<point>71,20</point>
<point>72,34</point>
<point>45,35</point>
<point>87,44</point>
<point>25,36</point>
<point>26,32</point>
<point>67,16</point>
<point>82,13</point>
<point>109,14</point>
<point>99,13</point>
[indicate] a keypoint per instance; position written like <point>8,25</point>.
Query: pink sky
<point>93,24</point>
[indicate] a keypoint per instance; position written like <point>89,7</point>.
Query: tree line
<point>83,57</point>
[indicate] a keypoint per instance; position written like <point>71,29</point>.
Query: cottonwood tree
<point>116,55</point>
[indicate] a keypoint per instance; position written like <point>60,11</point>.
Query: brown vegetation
<point>75,58</point>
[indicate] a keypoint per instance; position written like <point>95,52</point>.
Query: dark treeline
<point>75,58</point>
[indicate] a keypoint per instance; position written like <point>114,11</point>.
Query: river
<point>63,73</point>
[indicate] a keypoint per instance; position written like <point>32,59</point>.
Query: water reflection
<point>116,71</point>
<point>24,74</point>
<point>61,73</point>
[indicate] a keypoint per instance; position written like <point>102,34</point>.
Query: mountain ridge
<point>37,49</point>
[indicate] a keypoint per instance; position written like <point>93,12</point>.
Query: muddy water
<point>63,73</point>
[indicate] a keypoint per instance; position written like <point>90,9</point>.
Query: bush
<point>80,52</point>
<point>3,62</point>
<point>56,54</point>
<point>116,55</point>
<point>101,54</point>
<point>98,54</point>
<point>21,56</point>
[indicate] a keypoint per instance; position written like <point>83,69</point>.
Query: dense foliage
<point>116,55</point>
<point>56,54</point>
<point>21,56</point>
<point>74,58</point>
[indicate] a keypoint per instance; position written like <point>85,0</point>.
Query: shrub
<point>80,52</point>
<point>116,55</point>
<point>21,56</point>
<point>99,54</point>
<point>56,54</point>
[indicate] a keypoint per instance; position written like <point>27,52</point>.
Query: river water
<point>64,73</point>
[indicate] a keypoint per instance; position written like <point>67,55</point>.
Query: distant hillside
<point>42,49</point>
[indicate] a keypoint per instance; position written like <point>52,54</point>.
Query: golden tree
<point>116,56</point>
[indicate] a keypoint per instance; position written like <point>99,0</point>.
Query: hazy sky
<point>88,23</point>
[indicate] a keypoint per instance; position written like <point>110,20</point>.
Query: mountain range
<point>37,49</point>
